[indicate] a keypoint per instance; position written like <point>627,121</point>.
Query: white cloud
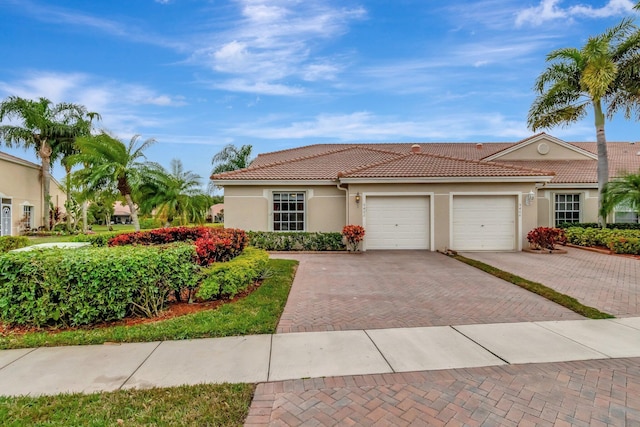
<point>274,40</point>
<point>366,126</point>
<point>549,10</point>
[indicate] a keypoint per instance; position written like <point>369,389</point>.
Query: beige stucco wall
<point>556,152</point>
<point>20,182</point>
<point>249,207</point>
<point>546,204</point>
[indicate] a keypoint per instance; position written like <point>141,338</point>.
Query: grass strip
<point>258,313</point>
<point>538,288</point>
<point>205,404</point>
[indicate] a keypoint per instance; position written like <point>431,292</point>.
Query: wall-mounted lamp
<point>357,197</point>
<point>530,197</point>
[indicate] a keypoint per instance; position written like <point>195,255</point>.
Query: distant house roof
<point>121,209</point>
<point>437,159</point>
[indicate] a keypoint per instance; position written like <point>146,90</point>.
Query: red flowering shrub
<point>546,238</point>
<point>353,234</point>
<point>212,244</point>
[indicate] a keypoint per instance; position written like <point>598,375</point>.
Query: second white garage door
<point>484,223</point>
<point>397,222</point>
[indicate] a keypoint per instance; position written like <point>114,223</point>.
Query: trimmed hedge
<point>62,287</point>
<point>99,240</point>
<point>298,241</point>
<point>619,241</point>
<point>9,243</point>
<point>617,225</point>
<point>230,278</point>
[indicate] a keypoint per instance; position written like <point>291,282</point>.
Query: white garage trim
<point>517,212</point>
<point>429,196</point>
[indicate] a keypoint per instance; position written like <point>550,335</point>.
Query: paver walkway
<point>397,289</point>
<point>586,393</point>
<point>609,283</point>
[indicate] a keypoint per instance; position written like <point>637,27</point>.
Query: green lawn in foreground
<point>200,405</point>
<point>258,313</point>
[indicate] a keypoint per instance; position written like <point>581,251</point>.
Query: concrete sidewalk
<point>263,358</point>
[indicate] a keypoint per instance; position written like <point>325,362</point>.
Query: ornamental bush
<point>618,241</point>
<point>212,244</point>
<point>295,241</point>
<point>230,278</point>
<point>9,243</point>
<point>64,287</point>
<point>625,245</point>
<point>353,234</point>
<point>546,238</point>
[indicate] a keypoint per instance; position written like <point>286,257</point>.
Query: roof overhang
<point>570,185</point>
<point>263,182</point>
<point>447,180</point>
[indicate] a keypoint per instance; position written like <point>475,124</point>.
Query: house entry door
<point>5,220</point>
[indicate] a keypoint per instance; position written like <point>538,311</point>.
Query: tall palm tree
<point>230,158</point>
<point>38,124</point>
<point>622,191</point>
<point>109,162</point>
<point>601,76</point>
<point>173,194</point>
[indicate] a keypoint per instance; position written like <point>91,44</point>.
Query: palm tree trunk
<point>603,158</point>
<point>68,203</point>
<point>85,208</point>
<point>134,212</point>
<point>45,157</point>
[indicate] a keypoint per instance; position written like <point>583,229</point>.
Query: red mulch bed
<point>174,309</point>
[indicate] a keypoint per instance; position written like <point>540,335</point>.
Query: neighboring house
<point>121,213</point>
<point>434,196</point>
<point>217,212</point>
<point>21,198</point>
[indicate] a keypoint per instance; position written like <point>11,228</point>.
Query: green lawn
<point>258,313</point>
<point>200,405</point>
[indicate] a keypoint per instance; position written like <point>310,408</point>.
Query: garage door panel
<point>484,223</point>
<point>397,222</point>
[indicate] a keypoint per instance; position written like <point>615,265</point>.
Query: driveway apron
<point>397,289</point>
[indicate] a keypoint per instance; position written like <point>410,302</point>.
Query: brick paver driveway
<point>392,289</point>
<point>610,283</point>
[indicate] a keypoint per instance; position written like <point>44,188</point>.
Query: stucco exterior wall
<point>546,204</point>
<point>250,207</point>
<point>555,152</point>
<point>20,182</point>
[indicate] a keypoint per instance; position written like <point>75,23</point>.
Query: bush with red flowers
<point>545,238</point>
<point>212,244</point>
<point>353,234</point>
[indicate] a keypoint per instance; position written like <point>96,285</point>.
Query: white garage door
<point>397,222</point>
<point>484,223</point>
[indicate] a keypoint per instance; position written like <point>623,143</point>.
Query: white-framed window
<point>567,208</point>
<point>27,217</point>
<point>623,213</point>
<point>289,211</point>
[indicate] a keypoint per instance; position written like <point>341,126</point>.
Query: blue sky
<point>199,74</point>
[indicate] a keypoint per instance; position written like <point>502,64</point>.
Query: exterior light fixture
<point>357,197</point>
<point>529,198</point>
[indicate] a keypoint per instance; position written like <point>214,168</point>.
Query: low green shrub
<point>617,225</point>
<point>283,241</point>
<point>9,243</point>
<point>625,245</point>
<point>619,241</point>
<point>100,240</point>
<point>62,287</point>
<point>150,223</point>
<point>230,278</point>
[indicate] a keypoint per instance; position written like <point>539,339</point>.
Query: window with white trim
<point>27,217</point>
<point>623,213</point>
<point>567,208</point>
<point>288,211</point>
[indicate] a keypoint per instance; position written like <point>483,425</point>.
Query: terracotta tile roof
<point>428,165</point>
<point>326,161</point>
<point>320,166</point>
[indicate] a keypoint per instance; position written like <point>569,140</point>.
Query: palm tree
<point>604,72</point>
<point>40,124</point>
<point>622,191</point>
<point>109,162</point>
<point>230,159</point>
<point>173,195</point>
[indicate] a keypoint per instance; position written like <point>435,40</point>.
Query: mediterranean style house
<point>21,198</point>
<point>432,196</point>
